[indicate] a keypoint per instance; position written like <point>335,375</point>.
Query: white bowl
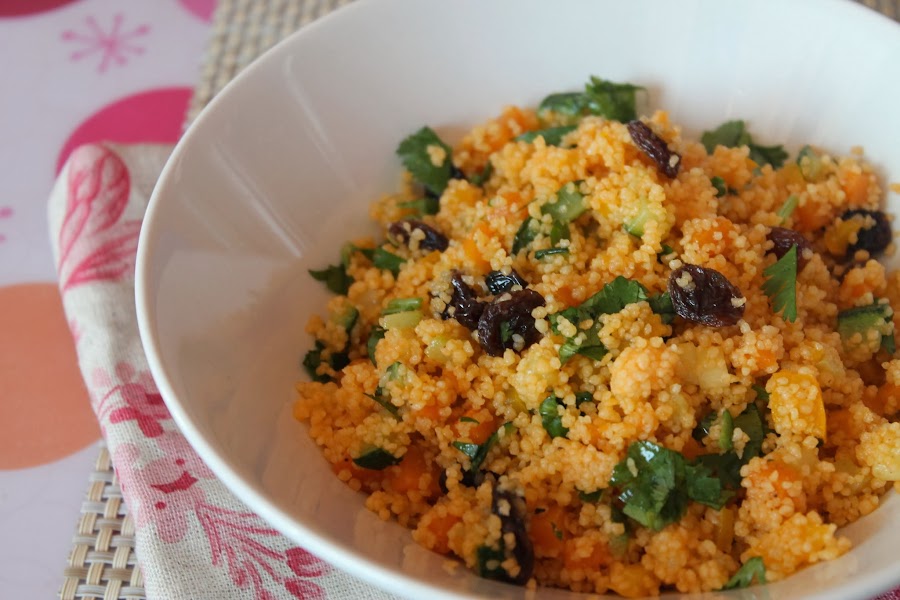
<point>278,171</point>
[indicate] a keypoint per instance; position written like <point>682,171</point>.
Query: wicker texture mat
<point>102,564</point>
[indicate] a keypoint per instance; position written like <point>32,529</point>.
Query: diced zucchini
<point>568,206</point>
<point>635,225</point>
<point>810,164</point>
<point>402,320</point>
<point>399,305</point>
<point>375,336</point>
<point>347,318</point>
<point>726,430</point>
<point>864,320</point>
<point>552,136</point>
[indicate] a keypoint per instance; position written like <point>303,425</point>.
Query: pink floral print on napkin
<point>95,244</point>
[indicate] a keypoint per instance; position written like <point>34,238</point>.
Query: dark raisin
<point>456,173</point>
<point>498,281</point>
<point>875,237</point>
<point>464,305</point>
<point>783,239</point>
<point>654,147</point>
<point>503,319</point>
<point>705,296</point>
<point>511,510</point>
<point>401,231</point>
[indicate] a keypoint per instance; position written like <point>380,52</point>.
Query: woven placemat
<point>102,564</point>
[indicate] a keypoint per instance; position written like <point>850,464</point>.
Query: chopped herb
<point>376,459</point>
<point>615,101</point>
<point>590,497</point>
<point>551,418</point>
<point>726,431</point>
<point>655,485</point>
<point>422,206</point>
<point>480,179</point>
<point>557,533</point>
<point>666,250</point>
<point>338,360</point>
<point>719,183</point>
<point>347,319</point>
<point>558,232</point>
<point>398,305</point>
<point>505,332</point>
<point>375,336</point>
<point>661,304</point>
<point>413,152</point>
<point>733,134</point>
<point>385,403</point>
<point>781,285</point>
<point>525,235</point>
<point>334,277</point>
<point>552,135</point>
<point>382,259</point>
<point>468,420</point>
<point>787,209</point>
<point>539,254</point>
<point>761,392</point>
<point>612,298</point>
<point>864,319</point>
<point>311,362</point>
<point>478,452</point>
<point>485,555</point>
<point>582,397</point>
<point>754,568</point>
<point>727,466</point>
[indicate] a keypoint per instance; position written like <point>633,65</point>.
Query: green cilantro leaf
<point>311,362</point>
<point>388,261</point>
<point>480,179</point>
<point>334,277</point>
<point>413,152</point>
<point>376,459</point>
<point>719,183</point>
<point>590,497</point>
<point>662,305</point>
<point>422,206</point>
<point>615,101</point>
<point>375,336</point>
<point>754,568</point>
<point>525,235</point>
<point>655,485</point>
<point>865,319</point>
<point>468,420</point>
<point>552,135</point>
<point>781,285</point>
<point>551,419</point>
<point>733,134</point>
<point>385,403</point>
<point>761,393</point>
<point>478,452</point>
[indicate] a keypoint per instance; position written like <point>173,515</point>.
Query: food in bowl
<point>593,354</point>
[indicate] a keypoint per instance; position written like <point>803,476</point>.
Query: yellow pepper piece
<point>795,400</point>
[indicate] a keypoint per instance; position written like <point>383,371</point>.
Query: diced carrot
<point>785,474</point>
<point>886,401</point>
<point>476,425</point>
<point>414,474</point>
<point>471,250</point>
<point>574,558</point>
<point>440,527</point>
<point>856,187</point>
<point>546,532</point>
<point>790,174</point>
<point>716,236</point>
<point>765,359</point>
<point>692,449</point>
<point>810,216</point>
<point>432,412</point>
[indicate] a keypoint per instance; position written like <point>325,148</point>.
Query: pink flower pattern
<point>95,244</point>
<point>167,494</point>
<point>132,396</point>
